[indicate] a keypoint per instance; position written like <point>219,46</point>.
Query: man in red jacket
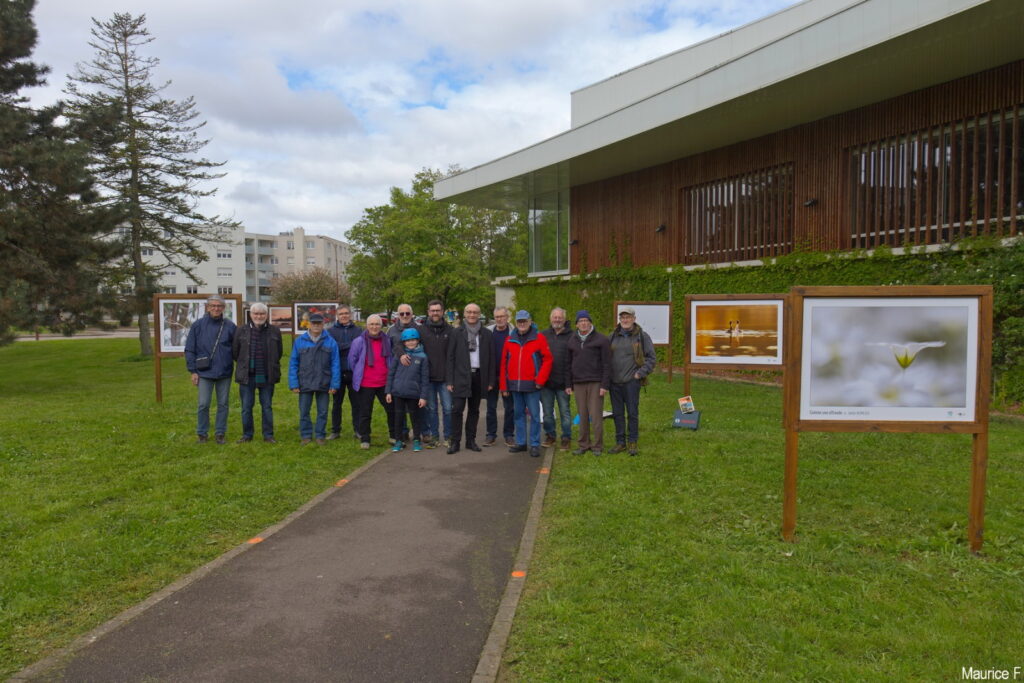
<point>525,367</point>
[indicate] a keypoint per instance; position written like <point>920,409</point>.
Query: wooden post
<point>158,366</point>
<point>976,514</point>
<point>686,380</point>
<point>670,364</point>
<point>789,485</point>
<point>157,354</point>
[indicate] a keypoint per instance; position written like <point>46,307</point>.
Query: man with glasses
<point>435,335</point>
<point>632,360</point>
<point>405,321</point>
<point>344,332</point>
<point>470,375</point>
<point>553,391</point>
<point>499,333</point>
<point>257,353</point>
<point>314,373</point>
<point>209,362</point>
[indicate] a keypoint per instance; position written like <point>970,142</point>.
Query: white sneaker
<point>365,445</point>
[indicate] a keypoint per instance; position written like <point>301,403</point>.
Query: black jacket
<point>557,342</point>
<point>590,360</point>
<point>435,342</point>
<point>459,373</point>
<point>240,352</point>
<point>344,335</point>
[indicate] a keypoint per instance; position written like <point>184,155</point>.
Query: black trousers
<point>339,398</point>
<point>402,407</point>
<point>365,397</point>
<point>471,405</point>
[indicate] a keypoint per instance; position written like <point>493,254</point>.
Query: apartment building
<point>267,257</point>
<point>222,273</point>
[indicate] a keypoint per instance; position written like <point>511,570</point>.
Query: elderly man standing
<point>525,366</point>
<point>632,360</point>
<point>436,335</point>
<point>499,333</point>
<point>314,373</point>
<point>257,352</point>
<point>590,372</point>
<point>553,390</point>
<point>208,359</point>
<point>344,332</point>
<point>470,371</point>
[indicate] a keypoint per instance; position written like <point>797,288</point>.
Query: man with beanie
<point>435,335</point>
<point>590,373</point>
<point>314,373</point>
<point>257,351</point>
<point>470,370</point>
<point>343,331</point>
<point>553,390</point>
<point>499,333</point>
<point>208,359</point>
<point>632,360</point>
<point>525,366</point>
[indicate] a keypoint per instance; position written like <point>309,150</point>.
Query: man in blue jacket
<point>208,359</point>
<point>314,372</point>
<point>344,332</point>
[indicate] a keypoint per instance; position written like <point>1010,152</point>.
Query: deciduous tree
<point>313,285</point>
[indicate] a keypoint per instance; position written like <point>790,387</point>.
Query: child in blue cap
<point>407,386</point>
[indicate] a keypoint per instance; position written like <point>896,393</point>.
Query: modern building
<point>267,257</point>
<point>832,124</point>
<point>222,273</point>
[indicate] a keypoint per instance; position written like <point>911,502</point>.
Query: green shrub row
<point>979,261</point>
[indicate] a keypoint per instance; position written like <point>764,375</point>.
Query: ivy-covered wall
<point>975,262</point>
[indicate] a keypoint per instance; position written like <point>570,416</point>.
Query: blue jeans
<point>527,400</point>
<point>547,399</point>
<point>508,427</point>
<point>323,401</point>
<point>430,426</point>
<point>626,399</point>
<point>247,394</point>
<point>206,387</point>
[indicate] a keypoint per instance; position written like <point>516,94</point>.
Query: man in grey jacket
<point>633,360</point>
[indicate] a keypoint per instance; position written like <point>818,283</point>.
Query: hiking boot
<point>632,448</point>
<point>549,440</point>
<point>220,439</point>
<point>516,448</point>
<point>453,447</point>
<point>333,435</point>
<point>398,446</point>
<point>306,442</point>
<point>510,442</point>
<point>580,451</point>
<point>269,439</point>
<point>244,439</point>
<point>321,442</point>
<point>535,451</point>
<point>489,441</point>
<point>202,438</point>
<point>565,443</point>
<point>416,445</point>
<point>617,448</point>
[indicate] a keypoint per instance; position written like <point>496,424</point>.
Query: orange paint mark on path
<point>544,470</point>
<point>254,540</point>
<point>341,482</point>
<point>518,574</point>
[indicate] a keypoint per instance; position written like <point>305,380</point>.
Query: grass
<point>670,566</point>
<point>106,498</point>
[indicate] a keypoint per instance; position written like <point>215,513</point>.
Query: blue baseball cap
<point>523,314</point>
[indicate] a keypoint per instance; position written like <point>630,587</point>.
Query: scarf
<point>583,337</point>
<point>258,354</point>
<point>472,333</point>
<point>369,346</point>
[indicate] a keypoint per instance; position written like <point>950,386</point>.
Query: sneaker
<point>580,451</point>
<point>596,452</point>
<point>510,442</point>
<point>365,445</point>
<point>202,438</point>
<point>333,435</point>
<point>429,442</point>
<point>306,442</point>
<point>565,444</point>
<point>321,442</point>
<point>269,439</point>
<point>535,451</point>
<point>617,448</point>
<point>398,446</point>
<point>220,439</point>
<point>632,448</point>
<point>416,446</point>
<point>516,448</point>
<point>489,441</point>
<point>244,439</point>
<point>549,440</point>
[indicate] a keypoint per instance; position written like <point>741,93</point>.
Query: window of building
<point>225,290</point>
<point>310,244</point>
<point>310,260</point>
<point>939,185</point>
<point>749,216</point>
<point>291,260</point>
<point>124,231</point>
<point>223,272</point>
<point>191,289</point>
<point>549,233</point>
<point>170,272</point>
<point>147,251</point>
<point>224,254</point>
<point>291,244</point>
<point>170,290</point>
<point>273,260</point>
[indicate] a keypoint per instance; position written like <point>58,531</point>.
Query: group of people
<point>430,378</point>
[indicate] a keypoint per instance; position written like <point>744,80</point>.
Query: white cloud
<point>319,107</point>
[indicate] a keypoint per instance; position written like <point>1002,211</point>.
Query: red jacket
<point>525,361</point>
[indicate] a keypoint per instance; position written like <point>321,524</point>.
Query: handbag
<point>204,362</point>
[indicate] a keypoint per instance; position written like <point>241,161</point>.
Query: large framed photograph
<point>735,331</point>
<point>892,359</point>
<point>176,313</point>
<point>302,311</point>
<point>281,317</point>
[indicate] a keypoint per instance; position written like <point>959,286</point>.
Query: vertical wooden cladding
<point>945,162</point>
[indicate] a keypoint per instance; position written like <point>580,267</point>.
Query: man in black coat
<point>344,332</point>
<point>469,375</point>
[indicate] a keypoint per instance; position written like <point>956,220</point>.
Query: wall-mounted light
<point>660,228</point>
<point>573,243</point>
<point>813,201</point>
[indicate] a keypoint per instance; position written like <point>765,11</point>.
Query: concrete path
<point>394,576</point>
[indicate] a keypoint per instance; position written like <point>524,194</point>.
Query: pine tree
<point>51,264</point>
<point>145,162</point>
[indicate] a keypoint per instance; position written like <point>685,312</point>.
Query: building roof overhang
<point>865,52</point>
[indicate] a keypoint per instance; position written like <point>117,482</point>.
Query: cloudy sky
<point>319,107</point>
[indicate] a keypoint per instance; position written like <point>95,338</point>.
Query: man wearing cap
<point>209,362</point>
<point>469,372</point>
<point>633,360</point>
<point>314,373</point>
<point>525,366</point>
<point>553,390</point>
<point>499,333</point>
<point>590,374</point>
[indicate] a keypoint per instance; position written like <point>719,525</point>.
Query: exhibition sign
<point>302,311</point>
<point>889,359</point>
<point>281,317</point>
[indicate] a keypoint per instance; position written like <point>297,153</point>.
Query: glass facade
<point>549,233</point>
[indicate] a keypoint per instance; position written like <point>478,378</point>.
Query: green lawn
<point>106,498</point>
<point>669,566</point>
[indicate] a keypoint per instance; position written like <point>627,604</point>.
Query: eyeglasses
<point>405,315</point>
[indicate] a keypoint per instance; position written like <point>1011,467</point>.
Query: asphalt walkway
<point>395,575</point>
